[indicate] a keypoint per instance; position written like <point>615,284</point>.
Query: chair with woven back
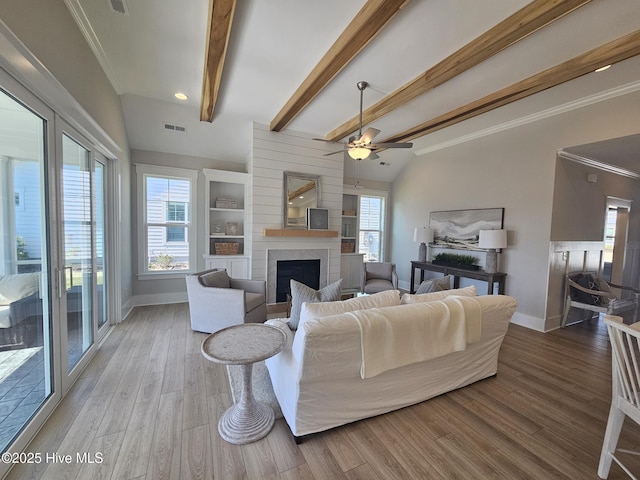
<point>625,399</point>
<point>590,292</point>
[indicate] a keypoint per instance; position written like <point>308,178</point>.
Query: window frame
<point>143,171</point>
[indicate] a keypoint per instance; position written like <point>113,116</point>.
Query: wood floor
<point>149,403</point>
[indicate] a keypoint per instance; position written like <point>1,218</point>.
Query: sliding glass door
<point>77,247</point>
<point>56,211</point>
<point>26,333</point>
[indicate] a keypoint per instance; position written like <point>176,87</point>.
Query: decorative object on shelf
<point>348,247</point>
<point>217,229</point>
<point>226,248</point>
<point>459,229</point>
<point>492,240</point>
<point>423,236</point>
<point>466,262</point>
<point>317,219</point>
<point>226,202</point>
<point>232,228</point>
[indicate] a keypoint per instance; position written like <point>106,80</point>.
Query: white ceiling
<point>159,49</point>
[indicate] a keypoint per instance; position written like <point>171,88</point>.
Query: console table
<point>490,278</point>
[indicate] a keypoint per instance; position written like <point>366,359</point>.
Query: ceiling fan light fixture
<point>359,153</point>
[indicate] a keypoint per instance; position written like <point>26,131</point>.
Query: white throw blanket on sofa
<point>394,337</point>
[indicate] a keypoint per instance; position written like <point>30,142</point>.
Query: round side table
<point>244,345</point>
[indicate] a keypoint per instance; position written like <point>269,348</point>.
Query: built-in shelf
<point>273,232</point>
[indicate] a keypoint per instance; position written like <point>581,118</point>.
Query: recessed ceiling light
<point>180,95</point>
<point>602,69</point>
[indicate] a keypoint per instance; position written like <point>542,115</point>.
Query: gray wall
<point>579,206</point>
<point>514,169</point>
<point>50,33</point>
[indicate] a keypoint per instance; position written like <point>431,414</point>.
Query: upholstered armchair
<point>217,301</point>
<point>379,276</point>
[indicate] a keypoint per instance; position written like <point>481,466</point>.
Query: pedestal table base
<point>247,420</point>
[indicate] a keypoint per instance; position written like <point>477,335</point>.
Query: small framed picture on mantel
<point>317,219</point>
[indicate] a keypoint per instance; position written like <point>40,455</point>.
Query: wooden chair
<point>587,291</point>
<point>625,400</point>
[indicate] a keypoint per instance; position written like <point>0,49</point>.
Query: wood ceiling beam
<point>615,51</point>
<point>218,32</point>
<point>524,22</point>
<point>368,22</point>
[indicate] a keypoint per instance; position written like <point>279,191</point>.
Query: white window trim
<point>142,170</point>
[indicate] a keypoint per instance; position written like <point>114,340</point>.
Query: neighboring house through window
<point>372,225</point>
<point>166,197</point>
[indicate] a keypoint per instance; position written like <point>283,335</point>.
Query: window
<point>176,213</point>
<point>167,199</point>
<point>371,241</point>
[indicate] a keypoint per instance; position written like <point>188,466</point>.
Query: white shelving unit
<point>227,223</point>
<point>350,262</point>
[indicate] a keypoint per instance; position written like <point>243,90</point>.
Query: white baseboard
<point>154,299</point>
<point>528,321</point>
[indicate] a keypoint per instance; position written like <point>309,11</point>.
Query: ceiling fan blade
<point>373,156</point>
<point>333,153</point>
<point>391,145</point>
<point>369,135</point>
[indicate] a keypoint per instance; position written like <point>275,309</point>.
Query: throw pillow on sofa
<point>435,285</point>
<point>16,286</point>
<point>300,293</point>
<point>435,296</point>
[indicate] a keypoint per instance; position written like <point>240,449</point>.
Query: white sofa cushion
<point>5,319</point>
<point>15,287</point>
<point>388,298</point>
<point>435,296</point>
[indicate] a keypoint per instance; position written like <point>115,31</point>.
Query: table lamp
<point>492,240</point>
<point>422,235</point>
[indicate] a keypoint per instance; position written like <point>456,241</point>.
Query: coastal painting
<point>459,229</point>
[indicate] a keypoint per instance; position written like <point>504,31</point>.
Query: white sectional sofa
<point>318,377</point>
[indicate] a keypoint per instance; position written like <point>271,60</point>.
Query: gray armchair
<point>217,301</point>
<point>379,276</point>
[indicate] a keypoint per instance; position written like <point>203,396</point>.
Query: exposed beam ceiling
<point>527,20</point>
<point>218,31</point>
<point>369,21</point>
<point>615,51</point>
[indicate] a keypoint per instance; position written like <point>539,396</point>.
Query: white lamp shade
<point>492,239</point>
<point>422,235</point>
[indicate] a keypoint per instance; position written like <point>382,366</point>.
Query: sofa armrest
<point>30,306</point>
<point>253,286</point>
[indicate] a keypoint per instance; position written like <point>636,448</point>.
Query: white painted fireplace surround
<point>273,154</point>
<point>274,255</point>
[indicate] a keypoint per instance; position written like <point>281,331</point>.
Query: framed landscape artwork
<point>459,229</point>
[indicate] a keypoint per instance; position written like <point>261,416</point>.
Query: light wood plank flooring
<point>149,402</point>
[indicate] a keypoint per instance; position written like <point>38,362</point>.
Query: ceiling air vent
<point>174,128</point>
<point>119,6</point>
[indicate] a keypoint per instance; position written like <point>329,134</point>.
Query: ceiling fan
<point>360,146</point>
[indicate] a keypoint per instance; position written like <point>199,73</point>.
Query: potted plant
<point>466,262</point>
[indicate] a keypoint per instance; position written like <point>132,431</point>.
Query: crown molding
<point>534,117</point>
<point>90,36</point>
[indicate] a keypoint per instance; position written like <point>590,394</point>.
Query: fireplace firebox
<point>303,271</point>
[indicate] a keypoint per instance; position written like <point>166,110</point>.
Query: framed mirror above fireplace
<point>301,191</point>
